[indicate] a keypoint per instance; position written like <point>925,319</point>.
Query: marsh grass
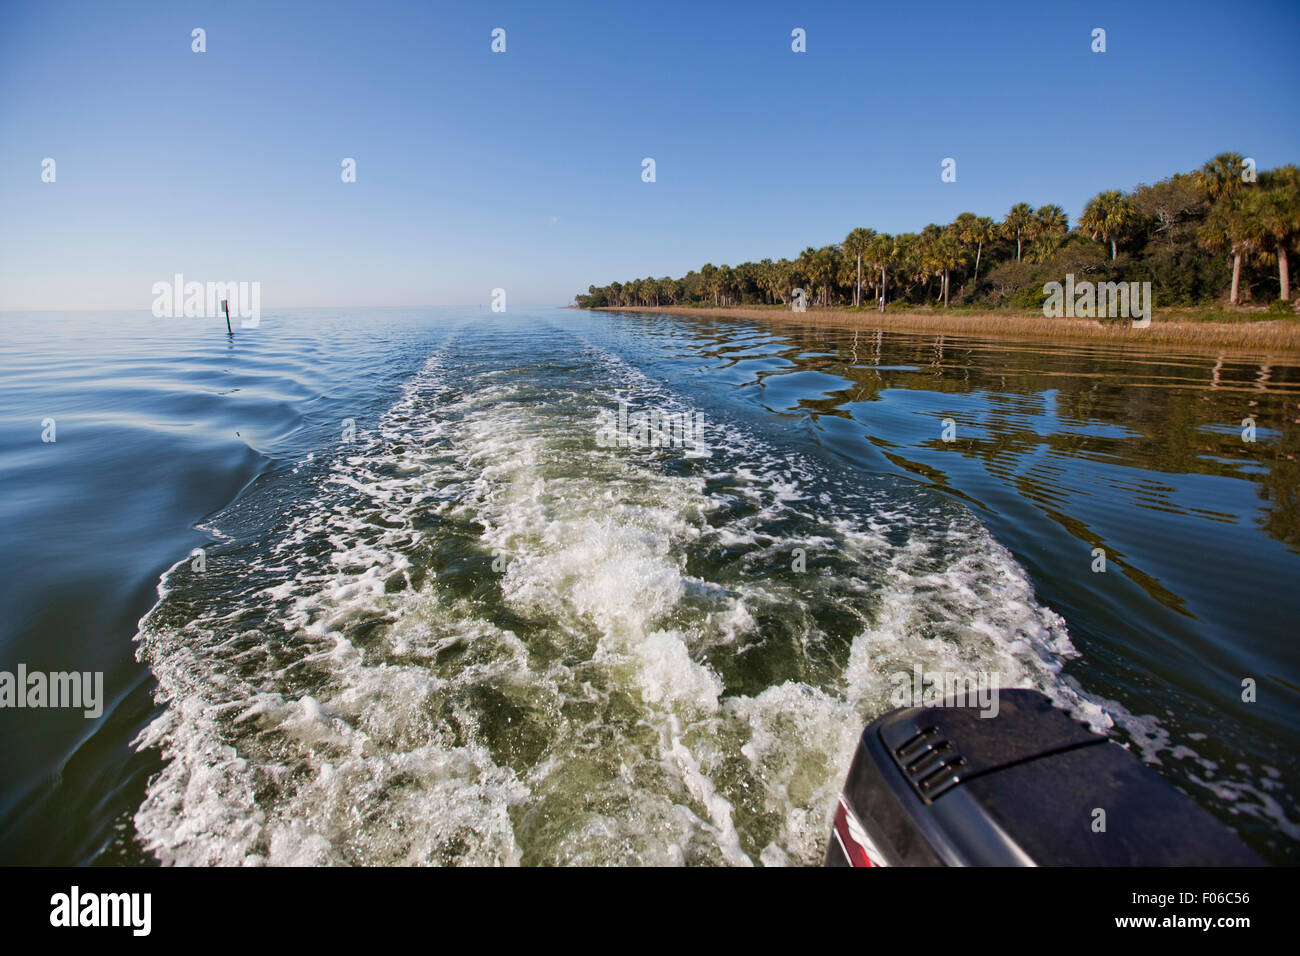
<point>1212,328</point>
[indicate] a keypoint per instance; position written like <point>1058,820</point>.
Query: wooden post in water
<point>225,305</point>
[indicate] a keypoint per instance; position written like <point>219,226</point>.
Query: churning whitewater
<point>478,635</point>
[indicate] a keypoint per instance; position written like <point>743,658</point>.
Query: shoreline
<point>1274,335</point>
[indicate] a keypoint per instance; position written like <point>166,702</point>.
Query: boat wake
<point>476,636</point>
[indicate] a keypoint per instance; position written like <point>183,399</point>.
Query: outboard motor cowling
<point>1028,786</point>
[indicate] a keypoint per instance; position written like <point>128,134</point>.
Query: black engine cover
<point>943,786</point>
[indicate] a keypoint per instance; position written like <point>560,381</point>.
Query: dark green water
<point>476,634</point>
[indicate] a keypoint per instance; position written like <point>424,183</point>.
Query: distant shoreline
<point>1270,335</point>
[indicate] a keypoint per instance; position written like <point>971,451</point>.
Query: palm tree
<point>803,270</point>
<point>725,282</point>
<point>764,274</point>
<point>709,280</point>
<point>846,275</point>
<point>927,264</point>
<point>855,244</point>
<point>1276,211</point>
<point>1051,219</point>
<point>906,258</point>
<point>880,255</point>
<point>1107,216</point>
<point>981,232</point>
<point>823,265</point>
<point>1221,176</point>
<point>1018,221</point>
<point>962,228</point>
<point>1225,230</point>
<point>1049,229</point>
<point>972,230</point>
<point>782,279</point>
<point>947,255</point>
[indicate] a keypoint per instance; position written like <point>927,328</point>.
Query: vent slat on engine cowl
<point>930,763</point>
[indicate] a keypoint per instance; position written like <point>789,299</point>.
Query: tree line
<point>1223,232</point>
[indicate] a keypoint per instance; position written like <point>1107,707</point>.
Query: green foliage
<point>1183,234</point>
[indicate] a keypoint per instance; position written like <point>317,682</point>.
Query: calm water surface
<point>472,634</point>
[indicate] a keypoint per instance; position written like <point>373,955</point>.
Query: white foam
<point>378,717</point>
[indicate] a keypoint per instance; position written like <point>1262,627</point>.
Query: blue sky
<point>522,170</point>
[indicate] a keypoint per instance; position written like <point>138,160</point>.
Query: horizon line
<point>453,305</point>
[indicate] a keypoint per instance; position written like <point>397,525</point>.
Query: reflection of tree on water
<point>1172,413</point>
<point>1064,448</point>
